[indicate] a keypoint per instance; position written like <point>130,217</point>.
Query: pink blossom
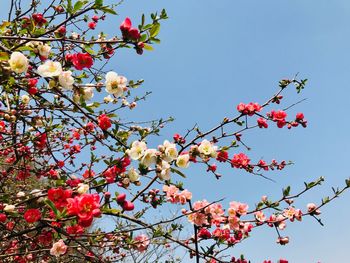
<point>141,243</point>
<point>260,216</point>
<point>58,248</point>
<point>239,208</point>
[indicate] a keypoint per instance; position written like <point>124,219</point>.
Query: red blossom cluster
<point>32,215</point>
<point>39,19</point>
<point>111,173</point>
<point>85,207</point>
<point>48,129</point>
<point>80,60</point>
<point>125,204</point>
<point>240,161</point>
<point>128,31</point>
<point>279,117</point>
<point>249,109</point>
<point>104,122</point>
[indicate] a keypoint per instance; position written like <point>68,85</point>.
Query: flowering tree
<point>67,158</point>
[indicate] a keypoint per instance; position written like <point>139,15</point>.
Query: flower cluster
<point>128,31</point>
<point>174,196</point>
<point>249,109</point>
<point>85,207</point>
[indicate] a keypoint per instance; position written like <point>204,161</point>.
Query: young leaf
<point>148,47</point>
<point>154,30</point>
<point>78,5</point>
<point>98,3</point>
<point>178,172</point>
<point>108,10</point>
<point>4,56</point>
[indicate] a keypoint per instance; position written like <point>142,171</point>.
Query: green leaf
<point>78,5</point>
<point>111,211</point>
<point>25,48</point>
<point>98,3</point>
<point>155,40</point>
<point>286,191</point>
<point>148,47</point>
<point>143,19</point>
<point>39,31</point>
<point>94,105</point>
<point>107,10</point>
<point>178,172</point>
<point>143,38</point>
<point>4,25</point>
<point>52,206</point>
<point>148,26</point>
<point>347,182</point>
<point>69,6</point>
<point>154,30</point>
<point>4,56</point>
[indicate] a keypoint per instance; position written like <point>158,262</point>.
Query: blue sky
<point>216,54</point>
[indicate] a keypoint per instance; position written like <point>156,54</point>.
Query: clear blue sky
<point>215,54</point>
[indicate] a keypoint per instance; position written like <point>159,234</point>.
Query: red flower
<point>240,161</point>
<point>249,109</point>
<point>89,127</point>
<point>62,30</point>
<point>204,233</point>
<point>212,168</point>
<point>262,123</point>
<point>128,206</point>
<point>59,196</point>
<point>125,26</point>
<point>300,116</point>
<point>263,165</point>
<point>121,198</point>
<point>104,122</point>
<point>95,18</point>
<point>134,33</point>
<point>92,25</point>
<point>110,174</point>
<point>80,60</point>
<point>129,32</point>
<point>32,89</point>
<point>279,117</point>
<point>40,140</point>
<point>222,156</point>
<point>75,230</point>
<point>88,174</point>
<point>3,218</point>
<point>39,20</point>
<point>179,139</point>
<point>32,215</point>
<point>85,207</point>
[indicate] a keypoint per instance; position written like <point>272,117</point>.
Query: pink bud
<point>128,206</point>
<point>121,198</point>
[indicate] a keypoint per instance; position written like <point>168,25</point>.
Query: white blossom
<point>133,175</point>
<point>66,80</point>
<point>137,150</point>
<point>183,161</point>
<point>18,62</point>
<point>165,171</point>
<point>115,84</point>
<point>170,151</point>
<point>207,148</point>
<point>50,69</point>
<point>44,50</point>
<point>149,158</point>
